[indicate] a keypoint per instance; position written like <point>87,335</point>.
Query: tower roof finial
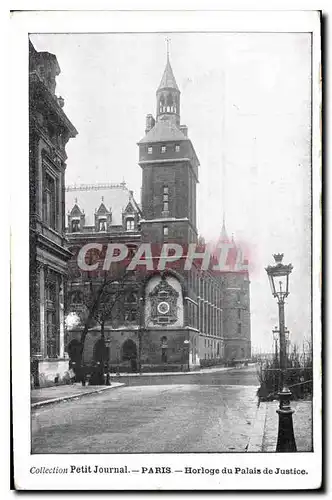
<point>168,41</point>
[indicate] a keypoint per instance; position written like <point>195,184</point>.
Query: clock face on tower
<point>163,307</point>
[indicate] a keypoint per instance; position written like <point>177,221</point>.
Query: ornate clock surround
<point>164,303</point>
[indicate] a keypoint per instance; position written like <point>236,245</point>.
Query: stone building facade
<point>49,132</point>
<point>181,318</point>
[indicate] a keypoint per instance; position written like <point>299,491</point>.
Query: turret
<point>168,97</point>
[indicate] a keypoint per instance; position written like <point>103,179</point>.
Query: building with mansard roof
<point>164,320</point>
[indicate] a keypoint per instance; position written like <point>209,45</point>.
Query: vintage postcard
<point>166,245</point>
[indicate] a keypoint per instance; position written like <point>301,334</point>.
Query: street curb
<point>255,444</point>
<point>157,374</point>
<point>73,396</point>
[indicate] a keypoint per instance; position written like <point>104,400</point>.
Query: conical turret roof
<point>168,79</point>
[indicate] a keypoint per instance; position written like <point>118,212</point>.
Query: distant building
<point>49,132</point>
<point>166,320</point>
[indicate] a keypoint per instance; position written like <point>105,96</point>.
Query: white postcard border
<point>50,22</point>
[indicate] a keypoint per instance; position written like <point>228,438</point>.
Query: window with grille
<point>150,150</point>
<point>163,149</point>
<point>177,148</point>
<point>130,224</point>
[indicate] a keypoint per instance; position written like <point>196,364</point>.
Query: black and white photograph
<point>171,191</point>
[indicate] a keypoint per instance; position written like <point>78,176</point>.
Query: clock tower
<point>169,170</point>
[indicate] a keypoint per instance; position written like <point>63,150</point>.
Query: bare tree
<point>100,292</point>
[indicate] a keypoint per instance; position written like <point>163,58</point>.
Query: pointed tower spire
<point>168,79</point>
<point>168,94</point>
<point>223,235</point>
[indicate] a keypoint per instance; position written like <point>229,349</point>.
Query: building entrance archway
<point>129,353</point>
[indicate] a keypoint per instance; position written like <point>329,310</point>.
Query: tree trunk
<point>91,315</point>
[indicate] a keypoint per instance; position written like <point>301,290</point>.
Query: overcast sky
<point>246,99</point>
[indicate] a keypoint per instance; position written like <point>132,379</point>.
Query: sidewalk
<point>55,394</point>
<point>265,431</point>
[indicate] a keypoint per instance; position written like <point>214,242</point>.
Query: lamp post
<point>140,331</point>
<point>275,333</point>
<point>278,275</point>
<point>107,345</point>
<point>186,351</point>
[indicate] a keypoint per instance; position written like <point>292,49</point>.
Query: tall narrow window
<point>49,201</point>
<point>130,224</point>
<point>163,149</point>
<point>75,226</point>
<point>165,230</point>
<point>150,150</point>
<point>102,225</point>
<point>177,148</point>
<point>165,199</point>
<point>239,328</point>
<point>239,314</point>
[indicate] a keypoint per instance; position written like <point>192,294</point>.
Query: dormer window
<point>150,150</point>
<point>163,149</point>
<point>75,226</point>
<point>177,148</point>
<point>130,224</point>
<point>102,225</point>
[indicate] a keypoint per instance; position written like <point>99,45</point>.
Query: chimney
<point>150,123</point>
<point>184,130</point>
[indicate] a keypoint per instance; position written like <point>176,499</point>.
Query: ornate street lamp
<point>279,280</point>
